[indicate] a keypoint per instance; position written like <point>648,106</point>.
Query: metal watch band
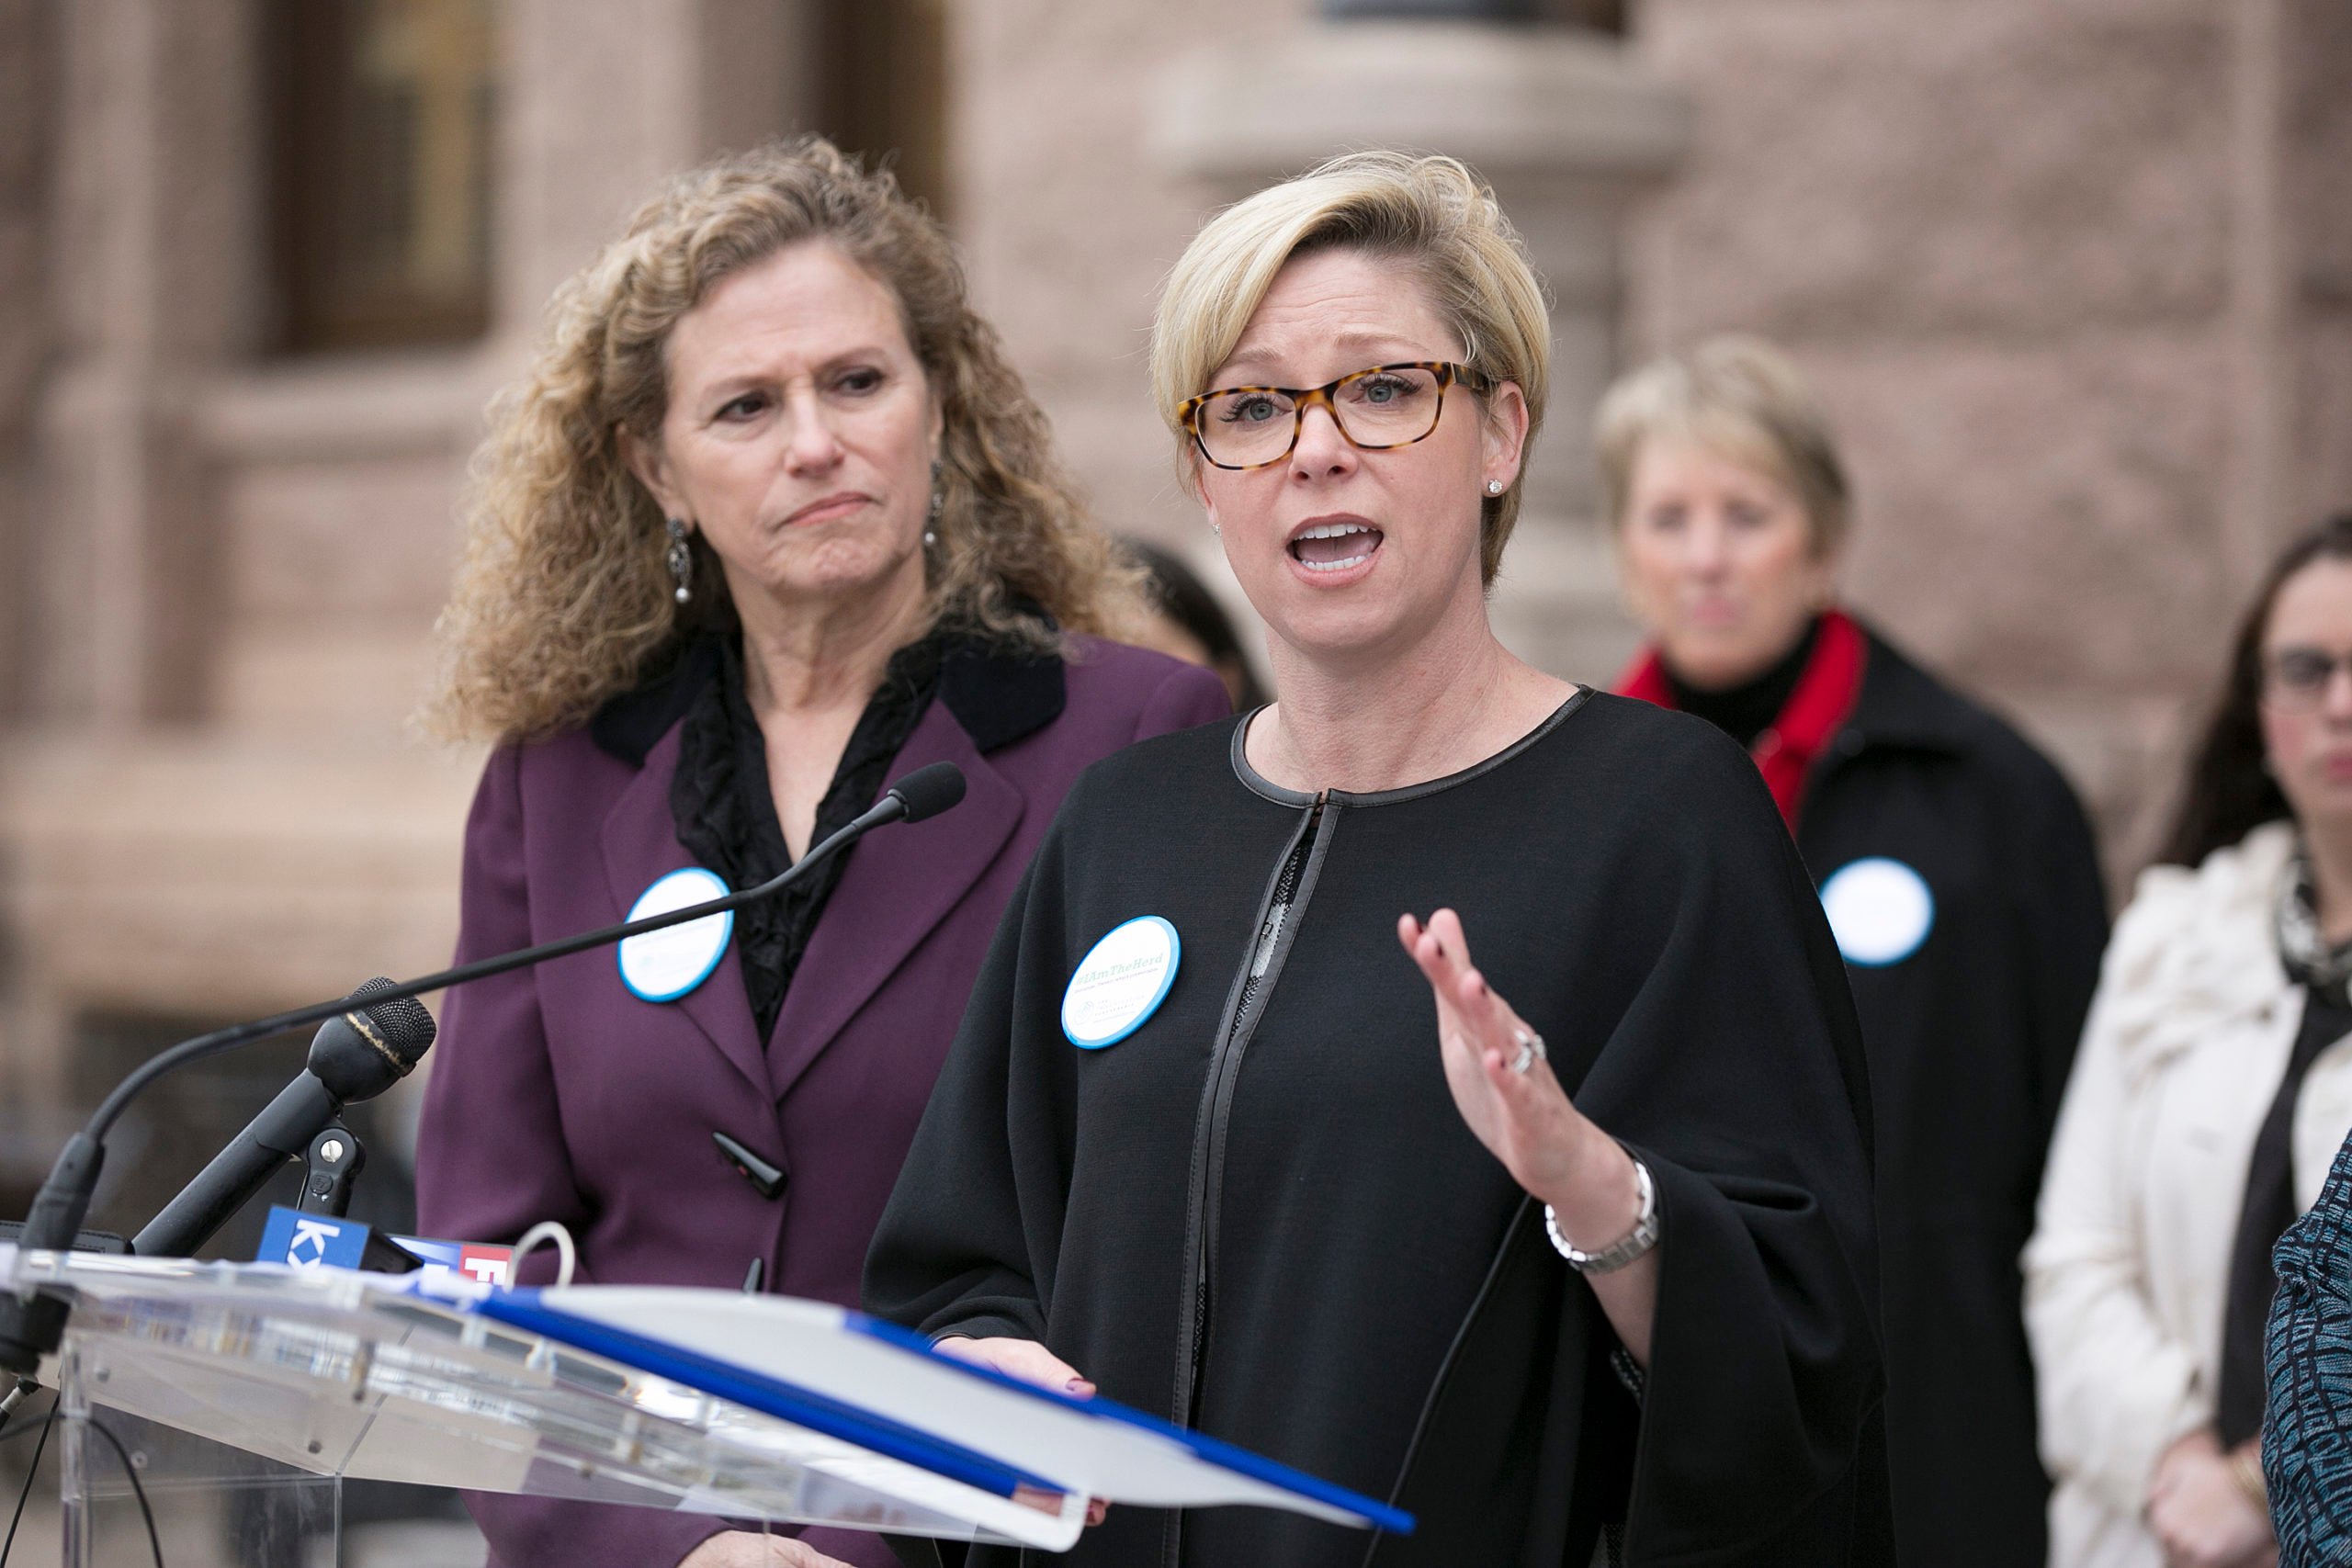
<point>1632,1245</point>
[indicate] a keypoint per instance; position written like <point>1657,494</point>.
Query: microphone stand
<point>33,1325</point>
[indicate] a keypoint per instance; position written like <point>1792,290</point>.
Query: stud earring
<point>681,560</point>
<point>1494,487</point>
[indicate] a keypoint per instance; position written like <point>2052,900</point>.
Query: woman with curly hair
<point>771,522</point>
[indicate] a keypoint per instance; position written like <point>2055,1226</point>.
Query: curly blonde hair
<point>563,598</point>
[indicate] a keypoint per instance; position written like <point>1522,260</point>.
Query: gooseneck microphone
<point>355,1055</point>
<point>33,1325</point>
<point>926,792</point>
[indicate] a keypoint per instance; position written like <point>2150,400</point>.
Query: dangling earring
<point>682,560</point>
<point>1494,487</point>
<point>938,503</point>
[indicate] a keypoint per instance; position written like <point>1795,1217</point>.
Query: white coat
<point>2128,1269</point>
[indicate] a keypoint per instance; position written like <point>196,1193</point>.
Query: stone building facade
<point>2074,274</point>
<point>2075,278</point>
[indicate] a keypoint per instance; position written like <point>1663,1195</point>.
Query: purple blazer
<point>555,1094</point>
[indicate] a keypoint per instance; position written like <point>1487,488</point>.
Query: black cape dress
<point>1261,1215</point>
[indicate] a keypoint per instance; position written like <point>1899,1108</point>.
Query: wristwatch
<point>1632,1245</point>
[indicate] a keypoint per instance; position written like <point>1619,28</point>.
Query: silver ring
<point>1530,1050</point>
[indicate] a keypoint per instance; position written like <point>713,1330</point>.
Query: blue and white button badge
<point>1879,910</point>
<point>1120,983</point>
<point>661,966</point>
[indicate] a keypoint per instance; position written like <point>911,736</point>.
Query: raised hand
<point>1521,1113</point>
<point>1503,1085</point>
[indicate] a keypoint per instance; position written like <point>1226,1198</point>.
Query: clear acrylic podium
<point>267,1387</point>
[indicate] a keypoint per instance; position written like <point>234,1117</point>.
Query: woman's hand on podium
<point>1022,1359</point>
<point>1031,1363</point>
<point>743,1549</point>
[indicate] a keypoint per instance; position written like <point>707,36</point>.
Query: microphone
<point>355,1055</point>
<point>33,1325</point>
<point>927,791</point>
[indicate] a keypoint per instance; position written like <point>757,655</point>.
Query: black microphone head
<point>362,1053</point>
<point>929,791</point>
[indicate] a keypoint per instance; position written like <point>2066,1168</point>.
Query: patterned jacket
<point>2307,1430</point>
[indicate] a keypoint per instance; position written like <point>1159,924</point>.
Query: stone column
<point>1571,129</point>
<point>604,100</point>
<point>2072,281</point>
<point>27,119</point>
<point>154,281</point>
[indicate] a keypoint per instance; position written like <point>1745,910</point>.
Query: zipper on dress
<point>1286,897</point>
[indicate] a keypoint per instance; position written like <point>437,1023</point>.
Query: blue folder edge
<point>1257,1467</point>
<point>757,1391</point>
<point>521,1309</point>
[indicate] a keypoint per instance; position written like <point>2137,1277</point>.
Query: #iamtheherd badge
<point>1879,910</point>
<point>661,966</point>
<point>1120,983</point>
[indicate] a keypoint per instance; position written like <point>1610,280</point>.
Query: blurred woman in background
<point>1957,870</point>
<point>770,523</point>
<point>1187,623</point>
<point>2215,1085</point>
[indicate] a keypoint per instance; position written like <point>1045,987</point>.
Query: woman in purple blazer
<point>771,522</point>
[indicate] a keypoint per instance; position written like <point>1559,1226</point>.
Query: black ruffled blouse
<point>726,810</point>
<point>720,797</point>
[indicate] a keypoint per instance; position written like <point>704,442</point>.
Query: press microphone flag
<point>31,1326</point>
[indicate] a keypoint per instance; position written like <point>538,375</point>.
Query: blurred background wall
<point>2075,276</point>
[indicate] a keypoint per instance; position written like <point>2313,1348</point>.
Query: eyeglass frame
<point>2312,699</point>
<point>1449,373</point>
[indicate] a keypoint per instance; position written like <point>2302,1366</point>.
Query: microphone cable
<point>32,1473</point>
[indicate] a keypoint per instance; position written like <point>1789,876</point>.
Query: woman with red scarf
<point>1957,871</point>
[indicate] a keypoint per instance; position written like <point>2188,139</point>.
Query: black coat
<point>1262,1214</point>
<point>1969,1039</point>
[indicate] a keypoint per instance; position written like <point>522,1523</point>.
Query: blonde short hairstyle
<point>563,599</point>
<point>1433,216</point>
<point>1737,396</point>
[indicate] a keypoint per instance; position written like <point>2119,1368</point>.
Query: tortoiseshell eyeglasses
<point>1377,409</point>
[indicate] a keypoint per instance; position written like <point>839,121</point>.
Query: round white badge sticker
<point>1121,982</point>
<point>1879,910</point>
<point>661,966</point>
